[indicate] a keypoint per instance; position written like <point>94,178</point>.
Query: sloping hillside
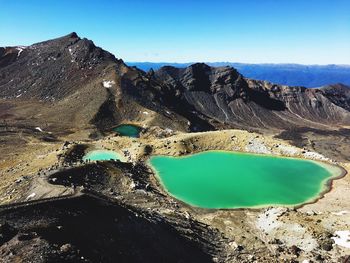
<point>69,82</point>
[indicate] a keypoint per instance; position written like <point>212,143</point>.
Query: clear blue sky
<point>255,31</point>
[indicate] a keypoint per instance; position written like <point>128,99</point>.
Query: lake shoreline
<point>326,184</point>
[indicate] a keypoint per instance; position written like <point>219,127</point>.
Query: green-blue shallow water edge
<point>101,155</point>
<point>128,130</point>
<point>218,179</point>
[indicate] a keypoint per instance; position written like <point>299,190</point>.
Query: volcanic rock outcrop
<point>225,97</point>
<point>79,85</point>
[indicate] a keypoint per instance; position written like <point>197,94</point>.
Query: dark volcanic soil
<point>89,229</point>
<point>332,143</point>
<point>103,223</point>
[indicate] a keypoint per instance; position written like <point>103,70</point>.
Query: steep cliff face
<point>225,98</point>
<point>303,107</point>
<point>339,94</point>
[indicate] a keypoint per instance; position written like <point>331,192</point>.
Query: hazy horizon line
<point>231,62</point>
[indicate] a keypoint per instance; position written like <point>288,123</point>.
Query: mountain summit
<point>72,81</point>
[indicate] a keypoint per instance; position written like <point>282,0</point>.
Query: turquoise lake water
<point>101,155</point>
<point>128,130</point>
<point>217,179</point>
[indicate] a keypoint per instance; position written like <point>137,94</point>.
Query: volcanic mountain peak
<point>201,77</point>
<point>224,95</point>
<point>73,35</point>
<point>57,44</point>
<point>70,68</point>
<point>68,39</point>
<point>52,69</point>
<point>80,49</point>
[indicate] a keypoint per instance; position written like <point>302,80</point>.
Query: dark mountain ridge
<point>223,97</point>
<point>285,74</point>
<point>51,69</point>
<point>63,79</point>
<point>83,85</point>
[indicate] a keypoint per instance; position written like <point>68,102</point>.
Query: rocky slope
<point>339,94</point>
<point>90,229</point>
<point>51,70</point>
<point>73,82</point>
<point>64,79</point>
<point>225,97</point>
<point>57,99</point>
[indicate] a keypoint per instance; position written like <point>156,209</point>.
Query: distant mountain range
<point>285,74</point>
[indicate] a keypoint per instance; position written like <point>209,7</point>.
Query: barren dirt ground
<point>312,228</point>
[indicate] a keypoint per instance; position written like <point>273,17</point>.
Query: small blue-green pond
<point>102,155</point>
<point>217,179</point>
<point>128,130</point>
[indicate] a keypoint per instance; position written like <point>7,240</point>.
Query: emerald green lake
<point>101,155</point>
<point>128,130</point>
<point>217,179</point>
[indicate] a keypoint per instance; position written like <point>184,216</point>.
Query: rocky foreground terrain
<point>60,98</point>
